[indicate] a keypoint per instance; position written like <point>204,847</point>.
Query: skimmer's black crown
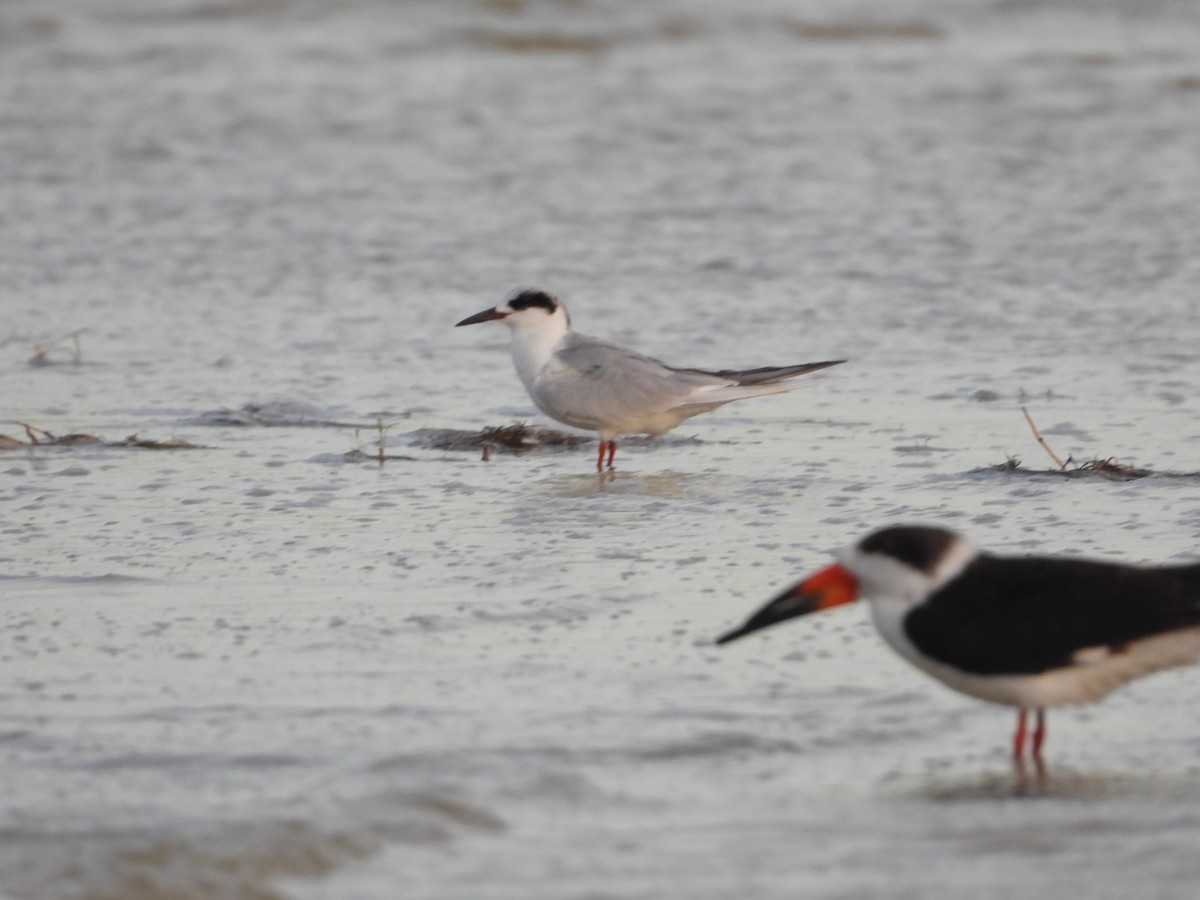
<point>530,297</point>
<point>917,547</point>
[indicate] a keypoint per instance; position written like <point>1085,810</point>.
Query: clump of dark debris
<point>1102,468</point>
<point>517,438</point>
<point>1108,468</point>
<point>39,437</point>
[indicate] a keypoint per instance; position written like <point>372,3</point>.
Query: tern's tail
<point>772,374</point>
<point>749,383</point>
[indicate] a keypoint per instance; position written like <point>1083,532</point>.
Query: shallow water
<point>264,669</point>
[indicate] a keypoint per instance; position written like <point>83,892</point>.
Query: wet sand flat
<point>267,666</point>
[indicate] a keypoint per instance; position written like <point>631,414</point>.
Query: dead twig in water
<point>380,455</point>
<point>33,438</point>
<point>1041,440</point>
<point>41,352</point>
<point>1105,468</point>
<point>40,437</point>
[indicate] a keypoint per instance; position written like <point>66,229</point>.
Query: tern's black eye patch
<point>531,298</point>
<point>919,548</point>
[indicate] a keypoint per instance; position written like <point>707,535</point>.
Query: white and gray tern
<point>590,384</point>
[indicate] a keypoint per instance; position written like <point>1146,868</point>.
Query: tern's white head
<point>528,310</point>
<point>539,323</point>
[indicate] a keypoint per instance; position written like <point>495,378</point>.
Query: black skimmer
<point>1029,632</point>
<point>590,384</point>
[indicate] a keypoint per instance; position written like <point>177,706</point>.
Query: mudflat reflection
<point>668,485</point>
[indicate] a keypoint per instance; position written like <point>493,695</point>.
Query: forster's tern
<point>1029,632</point>
<point>592,385</point>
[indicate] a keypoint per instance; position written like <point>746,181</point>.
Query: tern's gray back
<point>587,356</point>
<point>592,384</point>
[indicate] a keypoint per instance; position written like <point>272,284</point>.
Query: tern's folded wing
<point>595,384</point>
